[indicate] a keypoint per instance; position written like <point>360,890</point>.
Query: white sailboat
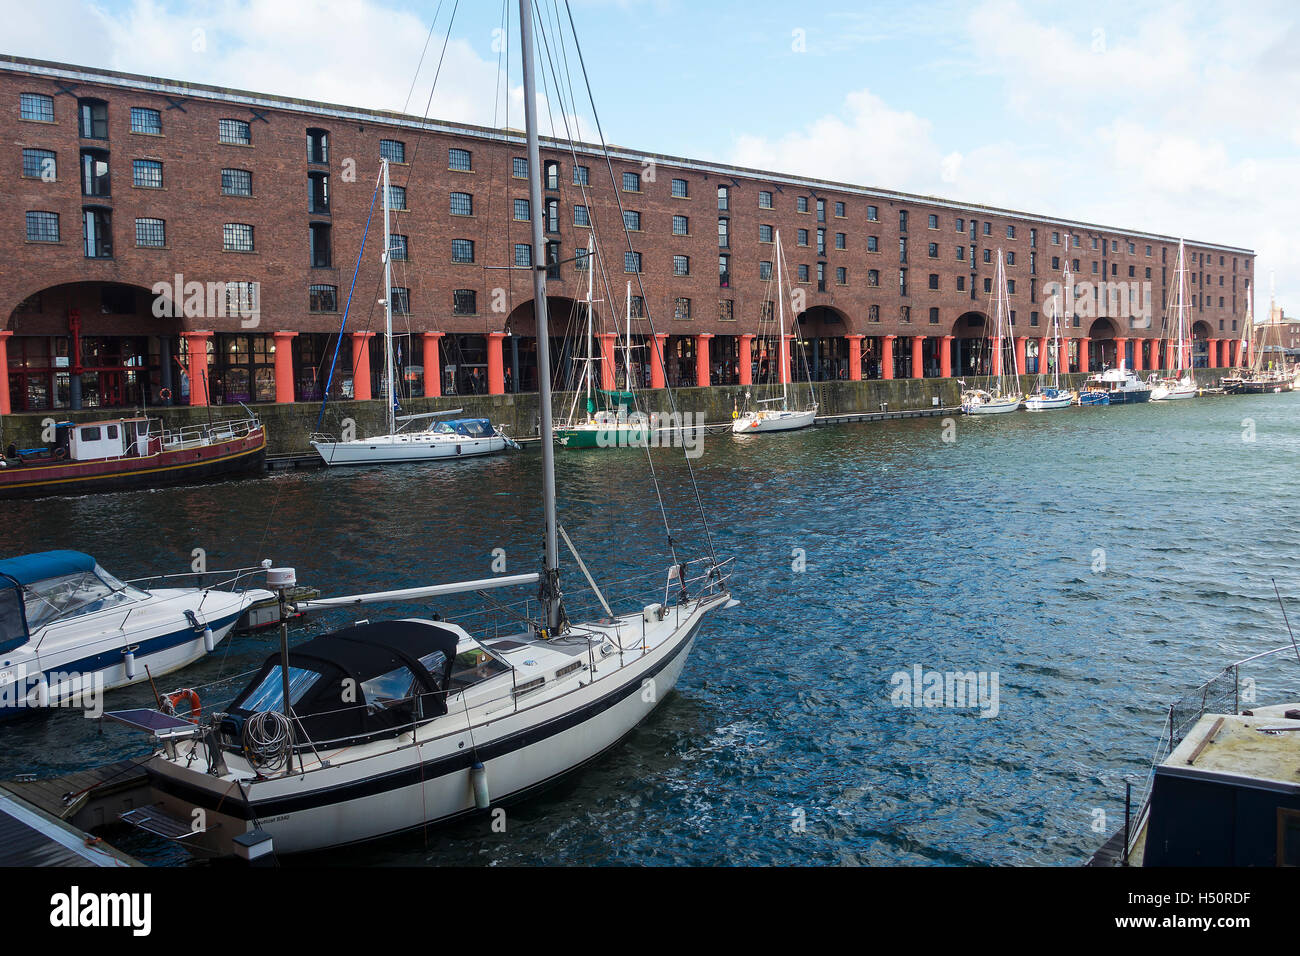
<point>1002,391</point>
<point>1046,397</point>
<point>456,438</point>
<point>782,418</point>
<point>1181,384</point>
<point>389,726</point>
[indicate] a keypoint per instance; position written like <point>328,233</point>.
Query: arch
<point>824,351</point>
<point>823,321</point>
<point>970,325</point>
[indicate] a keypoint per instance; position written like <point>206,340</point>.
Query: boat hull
<point>384,452</point>
<point>603,436</point>
<point>998,406</point>
<point>783,421</point>
<point>1042,403</point>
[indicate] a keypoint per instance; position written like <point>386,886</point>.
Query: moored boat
<point>1120,386</point>
<point>999,392</point>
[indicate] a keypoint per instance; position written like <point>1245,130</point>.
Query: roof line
<point>162,86</point>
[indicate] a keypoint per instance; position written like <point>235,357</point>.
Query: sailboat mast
<point>627,340</point>
<point>1180,302</point>
<point>550,593</point>
<point>1067,295</point>
<point>388,307</point>
<point>780,330</point>
<point>591,341</point>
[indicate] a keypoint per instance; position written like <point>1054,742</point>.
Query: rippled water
<point>979,554</point>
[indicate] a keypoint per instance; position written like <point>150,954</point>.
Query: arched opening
<point>567,328</point>
<point>1201,333</point>
<point>1101,348</point>
<point>823,354</point>
<point>969,355</point>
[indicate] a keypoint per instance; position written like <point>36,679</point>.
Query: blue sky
<point>1178,118</point>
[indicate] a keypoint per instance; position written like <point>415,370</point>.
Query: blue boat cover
<point>30,568</point>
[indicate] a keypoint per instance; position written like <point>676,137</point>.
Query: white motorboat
<point>1000,392</point>
<point>388,726</point>
<point>1120,386</point>
<point>69,630</point>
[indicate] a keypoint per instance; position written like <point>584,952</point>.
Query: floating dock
<point>36,817</point>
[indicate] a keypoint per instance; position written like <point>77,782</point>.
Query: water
<point>984,554</point>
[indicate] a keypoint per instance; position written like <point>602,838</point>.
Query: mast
<point>627,340</point>
<point>388,308</point>
<point>780,329</point>
<point>1180,303</point>
<point>550,589</point>
<point>1056,314</point>
<point>591,342</point>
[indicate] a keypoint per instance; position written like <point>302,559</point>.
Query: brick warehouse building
<point>113,183</point>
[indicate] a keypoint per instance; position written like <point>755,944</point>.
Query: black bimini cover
<point>357,682</point>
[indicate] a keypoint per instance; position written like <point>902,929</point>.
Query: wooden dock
<point>88,798</point>
<point>30,836</point>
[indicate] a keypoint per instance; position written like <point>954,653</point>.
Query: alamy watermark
<point>20,690</point>
<point>958,690</point>
<point>652,430</point>
<point>208,300</point>
<point>1101,300</point>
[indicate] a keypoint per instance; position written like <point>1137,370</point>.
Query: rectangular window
<point>681,226</point>
<point>1011,287</point>
<point>581,176</point>
<point>724,271</point>
<point>988,285</point>
<point>681,265</point>
<point>519,167</point>
<point>462,250</point>
<point>320,254</point>
<point>1011,232</point>
<point>93,118</point>
<point>400,300</point>
<point>902,220</point>
<point>580,216</point>
<point>150,232</point>
<point>147,173</point>
<point>724,233</point>
<point>394,150</point>
<point>462,204</point>
<point>764,233</point>
<point>765,271</point>
<point>873,243</point>
<point>988,228</point>
<point>764,200</point>
<point>841,275</point>
<point>681,189</point>
<point>458,159</point>
<point>523,255</point>
<point>235,132</point>
<point>934,316</point>
<point>397,197</point>
<point>934,280</point>
<point>637,307</point>
<point>802,237</point>
<point>1011,259</point>
<point>322,298</point>
<point>933,222</point>
<point>631,182</point>
<point>839,210</point>
<point>318,193</point>
<point>398,247</point>
<point>873,277</point>
<point>551,174</point>
<point>318,146</point>
<point>98,233</point>
<point>522,211</point>
<point>464,302</point>
<point>821,210</point>
<point>801,204</point>
<point>841,240</point>
<point>961,225</point>
<point>873,214</point>
<point>580,262</point>
<point>236,182</point>
<point>632,220</point>
<point>42,227</point>
<point>961,253</point>
<point>36,106</point>
<point>94,173</point>
<point>631,261</point>
<point>146,121</point>
<point>237,237</point>
<point>682,308</point>
<point>40,164</point>
<point>803,273</point>
<point>934,250</point>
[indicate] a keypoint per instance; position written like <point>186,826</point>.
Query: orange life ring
<point>174,698</point>
<point>165,394</point>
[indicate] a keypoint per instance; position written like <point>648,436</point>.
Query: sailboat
<point>388,726</point>
<point>781,418</point>
<point>1002,391</point>
<point>607,422</point>
<point>1269,369</point>
<point>455,438</point>
<point>1182,384</point>
<point>1046,397</point>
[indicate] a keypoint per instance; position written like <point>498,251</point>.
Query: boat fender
<point>170,701</point>
<point>478,777</point>
<point>208,641</point>
<point>128,660</point>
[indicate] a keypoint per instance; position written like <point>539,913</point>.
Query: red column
<point>607,360</point>
<point>855,357</point>
<point>997,355</point>
<point>745,358</point>
<point>1137,354</point>
<point>1042,354</point>
<point>918,367</point>
<point>361,366</point>
<point>284,367</point>
<point>4,373</point>
<point>786,342</point>
<point>496,363</point>
<point>887,357</point>
<point>702,359</point>
<point>1084,342</point>
<point>1021,342</point>
<point>945,357</point>
<point>659,360</point>
<point>1120,357</point>
<point>432,365</point>
<point>197,369</point>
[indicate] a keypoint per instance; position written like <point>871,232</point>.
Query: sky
<point>1179,119</point>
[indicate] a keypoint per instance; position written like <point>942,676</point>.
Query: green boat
<point>610,426</point>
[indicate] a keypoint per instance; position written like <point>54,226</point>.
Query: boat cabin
<point>37,589</point>
<point>469,427</point>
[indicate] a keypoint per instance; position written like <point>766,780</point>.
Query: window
<point>764,233</point>
<point>580,263</point>
<point>522,211</point>
<point>724,271</point>
<point>462,204</point>
<point>724,233</point>
<point>873,243</point>
<point>94,173</point>
<point>318,146</point>
<point>147,173</point>
<point>322,298</point>
<point>841,240</point>
<point>150,232</point>
<point>681,226</point>
<point>1056,262</point>
<point>93,119</point>
<point>933,222</point>
<point>873,277</point>
<point>988,228</point>
<point>462,250</point>
<point>236,182</point>
<point>961,253</point>
<point>839,210</point>
<point>988,255</point>
<point>902,250</point>
<point>464,302</point>
<point>580,216</point>
<point>551,174</point>
<point>145,120</point>
<point>902,283</point>
<point>552,259</point>
<point>398,247</point>
<point>581,176</point>
<point>961,283</point>
<point>1011,287</point>
<point>552,215</point>
<point>519,167</point>
<point>821,210</point>
<point>681,189</point>
<point>631,261</point>
<point>841,275</point>
<point>42,227</point>
<point>873,214</point>
<point>97,231</point>
<point>1011,258</point>
<point>681,308</point>
<point>934,250</point>
<point>631,182</point>
<point>237,237</point>
<point>1149,255</point>
<point>1056,238</point>
<point>801,204</point>
<point>1011,232</point>
<point>631,220</point>
<point>934,316</point>
<point>764,200</point>
<point>394,150</point>
<point>988,285</point>
<point>681,265</point>
<point>1132,249</point>
<point>873,313</point>
<point>318,193</point>
<point>902,220</point>
<point>397,197</point>
<point>523,255</point>
<point>399,299</point>
<point>40,164</point>
<point>961,225</point>
<point>803,273</point>
<point>724,198</point>
<point>803,237</point>
<point>765,271</point>
<point>934,280</point>
<point>36,106</point>
<point>235,132</point>
<point>821,242</point>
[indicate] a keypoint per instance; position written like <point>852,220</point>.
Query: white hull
<point>772,421</point>
<point>402,449</point>
<point>1034,404</point>
<point>1167,393</point>
<point>385,787</point>
<point>996,406</point>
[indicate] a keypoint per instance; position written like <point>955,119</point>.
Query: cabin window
<point>13,633</point>
<point>68,595</point>
<point>389,690</point>
<point>90,434</point>
<point>269,695</point>
<point>473,666</point>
